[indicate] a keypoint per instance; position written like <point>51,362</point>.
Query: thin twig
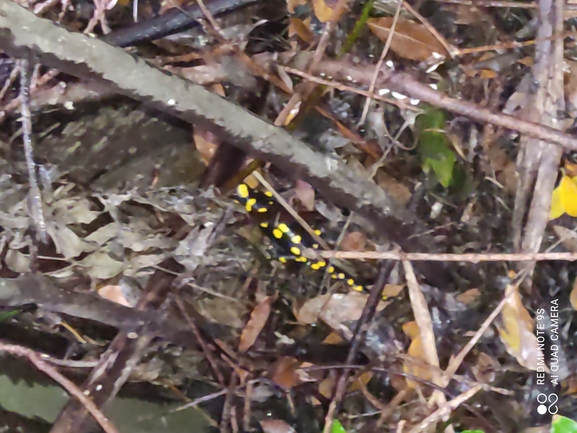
<point>450,49</point>
<point>404,83</point>
<point>35,198</point>
<point>445,410</point>
<point>381,60</point>
<point>55,375</point>
<point>513,44</point>
<point>456,361</point>
<point>324,41</point>
<point>205,347</point>
<point>199,400</point>
<point>358,338</point>
<point>290,210</point>
<point>492,3</point>
<point>345,88</point>
<point>425,325</point>
<point>449,257</point>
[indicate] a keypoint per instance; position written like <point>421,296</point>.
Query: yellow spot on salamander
<point>249,204</point>
<point>301,259</point>
<point>262,210</point>
<point>358,288</point>
<point>296,239</point>
<point>333,276</point>
<point>268,194</point>
<point>316,246</point>
<point>242,190</point>
<point>284,228</point>
<point>318,232</point>
<point>277,233</point>
<point>351,282</point>
<point>296,251</point>
<point>341,276</point>
<point>318,265</point>
<point>282,259</point>
<point>264,225</point>
<point>331,270</point>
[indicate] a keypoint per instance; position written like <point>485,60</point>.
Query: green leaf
<point>5,315</point>
<point>473,431</point>
<point>337,427</point>
<point>434,148</point>
<point>562,424</point>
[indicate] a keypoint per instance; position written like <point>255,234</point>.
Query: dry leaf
<point>392,290</point>
<point>300,28</point>
<point>114,294</point>
<point>306,194</point>
<point>516,333</point>
<point>206,145</point>
<point>335,310</point>
<point>257,320</point>
<point>276,426</point>
<point>485,368</point>
<point>334,339</point>
<point>324,10</point>
<point>469,296</point>
<point>287,374</point>
<point>101,266</point>
<point>16,261</point>
<point>327,386</point>
<point>411,40</point>
<point>393,187</point>
<point>65,240</point>
<point>571,87</point>
<point>567,237</point>
<point>418,365</point>
<point>354,241</point>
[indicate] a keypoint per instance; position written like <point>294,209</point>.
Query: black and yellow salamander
<point>290,242</point>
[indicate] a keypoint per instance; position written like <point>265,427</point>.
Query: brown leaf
<point>516,333</point>
<point>276,426</point>
<point>393,187</point>
<point>257,320</point>
<point>284,373</point>
<point>306,194</point>
<point>469,296</point>
<point>114,294</point>
<point>205,143</point>
<point>354,241</point>
<point>334,339</point>
<point>392,290</point>
<point>411,40</point>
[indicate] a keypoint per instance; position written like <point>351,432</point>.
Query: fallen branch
<point>24,34</point>
<point>54,374</point>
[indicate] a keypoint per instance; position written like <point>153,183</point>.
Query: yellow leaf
<point>568,195</point>
<point>573,295</point>
<point>324,10</point>
<point>516,333</point>
<point>556,206</point>
<point>416,364</point>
